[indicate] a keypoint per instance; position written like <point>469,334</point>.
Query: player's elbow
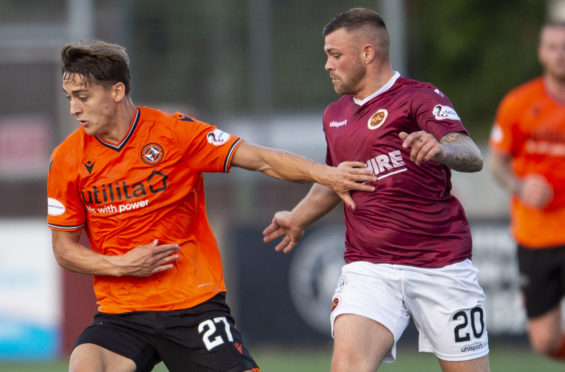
<point>60,256</point>
<point>478,164</point>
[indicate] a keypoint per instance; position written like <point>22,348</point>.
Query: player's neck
<point>374,83</point>
<point>555,88</point>
<point>375,80</point>
<point>124,115</point>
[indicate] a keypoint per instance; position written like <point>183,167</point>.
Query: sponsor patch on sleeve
<point>55,207</point>
<point>217,137</point>
<point>442,112</point>
<point>496,134</point>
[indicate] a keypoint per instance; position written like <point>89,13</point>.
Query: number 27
<point>208,329</point>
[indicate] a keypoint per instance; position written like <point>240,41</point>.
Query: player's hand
<point>424,146</point>
<point>350,176</point>
<point>282,225</point>
<point>535,191</point>
<point>146,260</point>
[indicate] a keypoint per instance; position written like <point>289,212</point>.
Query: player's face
<point>344,62</point>
<point>93,105</point>
<point>551,51</point>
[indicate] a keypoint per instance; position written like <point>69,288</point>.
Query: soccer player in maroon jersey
<point>408,243</point>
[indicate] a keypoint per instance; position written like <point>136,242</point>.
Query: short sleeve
<point>434,112</point>
<point>65,211</point>
<point>501,136</point>
<point>206,147</point>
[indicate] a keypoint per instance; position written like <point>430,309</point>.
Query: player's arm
<point>319,201</point>
<point>287,166</point>
<point>143,260</point>
<point>455,149</point>
<point>533,190</point>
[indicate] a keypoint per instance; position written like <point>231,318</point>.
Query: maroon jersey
<point>411,218</point>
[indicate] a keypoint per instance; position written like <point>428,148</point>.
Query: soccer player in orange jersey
<point>528,159</point>
<point>131,178</point>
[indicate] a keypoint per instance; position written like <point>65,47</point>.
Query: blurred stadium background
<point>255,68</point>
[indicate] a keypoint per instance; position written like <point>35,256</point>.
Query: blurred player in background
<point>528,159</point>
<point>131,178</point>
<point>408,243</point>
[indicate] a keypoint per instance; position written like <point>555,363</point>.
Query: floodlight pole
<point>556,10</point>
<point>393,12</point>
<point>80,19</point>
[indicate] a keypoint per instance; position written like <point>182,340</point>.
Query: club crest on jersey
<point>152,154</point>
<point>217,137</point>
<point>442,112</point>
<point>377,119</point>
<point>335,302</point>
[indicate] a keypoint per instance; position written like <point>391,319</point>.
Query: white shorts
<point>446,305</point>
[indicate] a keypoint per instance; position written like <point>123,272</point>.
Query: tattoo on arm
<point>461,153</point>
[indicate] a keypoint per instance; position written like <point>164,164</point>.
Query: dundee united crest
<point>152,153</point>
<point>377,119</point>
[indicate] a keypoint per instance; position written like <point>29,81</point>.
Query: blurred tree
<point>474,51</point>
<point>198,54</point>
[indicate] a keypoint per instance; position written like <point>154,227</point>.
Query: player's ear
<point>367,53</point>
<point>118,91</point>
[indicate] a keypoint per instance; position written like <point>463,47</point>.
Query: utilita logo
<point>119,191</point>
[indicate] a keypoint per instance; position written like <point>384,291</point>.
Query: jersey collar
<point>119,146</point>
<point>384,88</point>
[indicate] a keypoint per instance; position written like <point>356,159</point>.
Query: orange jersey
<point>149,186</point>
<point>530,126</point>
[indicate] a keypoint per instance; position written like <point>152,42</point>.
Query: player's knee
<point>349,362</point>
<point>544,343</point>
<point>83,365</point>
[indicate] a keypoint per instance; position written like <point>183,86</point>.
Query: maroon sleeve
<point>434,112</point>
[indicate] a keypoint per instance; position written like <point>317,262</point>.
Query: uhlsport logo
<point>152,153</point>
<point>377,119</point>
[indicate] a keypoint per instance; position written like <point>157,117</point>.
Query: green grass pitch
<point>503,357</point>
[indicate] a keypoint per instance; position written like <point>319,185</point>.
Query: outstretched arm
<point>143,260</point>
<point>533,190</point>
<point>455,150</point>
<point>287,166</point>
<point>319,201</point>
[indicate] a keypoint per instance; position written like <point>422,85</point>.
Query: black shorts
<point>542,278</point>
<point>202,338</point>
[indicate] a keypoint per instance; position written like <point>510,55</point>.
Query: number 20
<point>209,329</point>
<point>461,331</point>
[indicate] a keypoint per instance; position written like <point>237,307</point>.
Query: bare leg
<point>474,365</point>
<point>94,358</point>
<point>545,332</point>
<point>360,344</point>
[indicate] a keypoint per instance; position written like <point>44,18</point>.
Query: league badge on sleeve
<point>55,207</point>
<point>442,112</point>
<point>217,137</point>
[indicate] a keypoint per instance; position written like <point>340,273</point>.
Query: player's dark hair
<point>354,19</point>
<point>96,62</point>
